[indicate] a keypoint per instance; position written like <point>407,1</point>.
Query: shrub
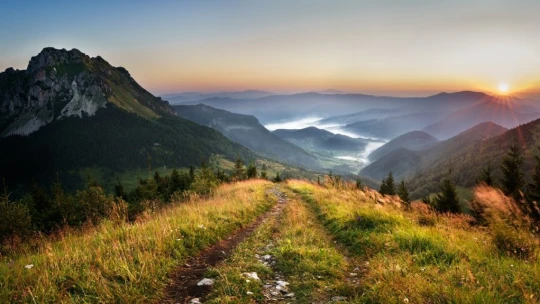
<point>15,220</point>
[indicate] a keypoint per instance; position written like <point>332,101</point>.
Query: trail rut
<point>184,288</point>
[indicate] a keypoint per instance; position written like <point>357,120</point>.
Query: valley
<point>299,152</point>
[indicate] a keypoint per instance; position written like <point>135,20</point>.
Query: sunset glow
<point>402,48</point>
<point>503,88</point>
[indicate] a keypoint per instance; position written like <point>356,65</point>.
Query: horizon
<point>385,49</point>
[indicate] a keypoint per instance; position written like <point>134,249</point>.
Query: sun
<point>503,88</point>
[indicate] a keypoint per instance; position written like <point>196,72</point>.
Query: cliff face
<point>61,83</point>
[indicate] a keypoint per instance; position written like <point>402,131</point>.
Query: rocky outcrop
<point>61,83</point>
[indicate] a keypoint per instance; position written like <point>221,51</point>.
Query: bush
<point>15,220</point>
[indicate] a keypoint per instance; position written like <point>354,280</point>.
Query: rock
<point>339,299</point>
<point>249,293</point>
<point>267,257</point>
<point>290,295</point>
<point>195,301</point>
<point>282,283</point>
<point>352,274</point>
<point>252,275</point>
<point>205,282</point>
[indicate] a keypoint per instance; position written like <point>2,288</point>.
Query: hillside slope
<point>68,111</point>
<point>322,141</point>
<point>247,130</point>
<point>443,152</point>
<point>467,161</point>
<point>412,141</point>
<point>500,112</point>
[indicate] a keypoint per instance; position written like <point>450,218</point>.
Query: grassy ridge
<point>303,253</point>
<point>128,263</point>
<point>419,257</point>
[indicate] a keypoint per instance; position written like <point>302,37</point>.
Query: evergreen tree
<point>277,179</point>
<point>533,192</point>
<point>191,173</point>
<point>403,193</point>
<point>251,171</point>
<point>119,191</point>
<point>239,169</point>
<point>264,174</point>
<point>387,186</point>
<point>447,200</point>
<point>486,176</point>
<point>513,180</point>
<point>359,184</point>
<point>427,200</point>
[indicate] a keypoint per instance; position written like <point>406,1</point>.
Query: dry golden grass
<point>128,263</point>
<point>418,256</point>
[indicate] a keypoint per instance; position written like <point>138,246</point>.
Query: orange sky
<point>414,47</point>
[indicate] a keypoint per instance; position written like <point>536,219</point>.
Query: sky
<point>383,47</point>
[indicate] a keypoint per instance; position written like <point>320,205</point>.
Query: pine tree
<point>403,193</point>
<point>487,175</point>
<point>191,173</point>
<point>447,200</point>
<point>277,179</point>
<point>513,180</point>
<point>239,169</point>
<point>264,174</point>
<point>251,171</point>
<point>387,186</point>
<point>359,184</point>
<point>533,192</point>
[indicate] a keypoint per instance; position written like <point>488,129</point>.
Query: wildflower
<point>406,300</point>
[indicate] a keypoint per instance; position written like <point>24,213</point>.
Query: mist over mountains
<point>81,112</point>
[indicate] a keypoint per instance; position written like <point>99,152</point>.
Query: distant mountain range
<point>443,115</point>
<point>322,141</point>
<point>68,111</point>
<point>415,140</point>
<point>246,130</point>
<point>185,97</point>
<point>464,155</point>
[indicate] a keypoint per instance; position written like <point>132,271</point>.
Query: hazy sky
<point>400,47</point>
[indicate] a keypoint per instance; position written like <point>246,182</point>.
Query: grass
<point>127,263</point>
<point>304,255</point>
<point>419,257</point>
<point>128,178</point>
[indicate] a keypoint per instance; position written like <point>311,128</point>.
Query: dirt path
<point>184,288</point>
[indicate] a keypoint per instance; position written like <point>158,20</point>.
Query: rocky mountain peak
<point>50,57</point>
<point>61,83</point>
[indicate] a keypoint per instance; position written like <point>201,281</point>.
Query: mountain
<point>466,163</point>
<point>58,84</point>
<point>414,140</point>
<point>321,141</point>
<point>393,126</point>
<point>181,98</point>
<point>443,152</point>
<point>67,112</point>
<point>246,130</point>
<point>504,112</point>
<point>398,161</point>
<point>368,114</point>
<point>276,108</point>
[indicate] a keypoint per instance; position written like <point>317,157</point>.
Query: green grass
<point>446,261</point>
<point>305,256</point>
<point>118,262</point>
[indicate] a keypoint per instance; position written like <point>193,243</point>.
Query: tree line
<point>512,183</point>
<point>46,210</point>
